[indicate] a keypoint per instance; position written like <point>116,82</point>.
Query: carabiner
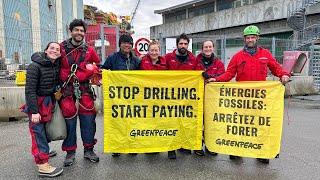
<point>74,68</point>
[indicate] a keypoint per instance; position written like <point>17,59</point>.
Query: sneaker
<point>172,155</point>
<point>52,153</point>
<point>264,161</point>
<point>185,151</point>
<point>46,170</point>
<point>211,153</point>
<point>115,154</point>
<point>234,157</point>
<point>91,155</point>
<point>199,152</point>
<point>70,158</point>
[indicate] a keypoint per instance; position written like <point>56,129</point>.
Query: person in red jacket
<point>211,67</point>
<point>251,64</point>
<point>181,58</point>
<point>75,74</point>
<point>153,60</point>
<point>208,62</point>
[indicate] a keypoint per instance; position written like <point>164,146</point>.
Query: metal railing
<point>299,39</point>
<point>298,5</point>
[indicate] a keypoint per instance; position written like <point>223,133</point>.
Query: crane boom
<point>134,12</point>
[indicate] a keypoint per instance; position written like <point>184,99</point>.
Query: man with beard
<point>251,64</point>
<point>76,57</point>
<point>180,59</point>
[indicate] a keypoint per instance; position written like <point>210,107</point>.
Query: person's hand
<point>35,118</point>
<point>285,79</point>
<point>92,67</point>
<point>211,80</point>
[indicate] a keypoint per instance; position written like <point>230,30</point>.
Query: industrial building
<point>26,26</point>
<point>225,19</point>
<point>285,25</point>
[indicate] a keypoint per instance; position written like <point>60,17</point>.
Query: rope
<point>75,115</point>
<point>79,104</point>
<point>85,107</point>
<point>287,107</point>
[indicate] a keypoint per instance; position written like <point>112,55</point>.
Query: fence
<point>16,47</point>
<point>18,44</point>
<point>227,47</point>
<point>104,38</point>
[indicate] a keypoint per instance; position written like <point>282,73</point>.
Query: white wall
<point>59,21</point>
<point>2,39</point>
<point>35,19</point>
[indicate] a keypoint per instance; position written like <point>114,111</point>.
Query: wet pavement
<point>299,158</point>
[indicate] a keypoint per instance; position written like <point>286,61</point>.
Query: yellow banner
<point>152,111</point>
<point>244,119</point>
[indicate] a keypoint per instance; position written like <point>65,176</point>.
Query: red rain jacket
<point>174,64</point>
<point>89,56</point>
<point>214,70</point>
<point>146,63</point>
<point>252,68</point>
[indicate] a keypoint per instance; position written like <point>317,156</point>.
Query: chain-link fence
<point>17,46</point>
<point>227,47</point>
<point>15,53</point>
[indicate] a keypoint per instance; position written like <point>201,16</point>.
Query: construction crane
<point>134,12</point>
<point>126,25</point>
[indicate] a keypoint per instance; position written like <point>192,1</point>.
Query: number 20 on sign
<point>141,46</point>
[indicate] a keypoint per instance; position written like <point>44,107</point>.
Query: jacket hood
<point>42,59</point>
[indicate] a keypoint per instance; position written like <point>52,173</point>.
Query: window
<point>256,1</point>
<point>224,4</point>
<point>200,10</point>
<point>239,3</point>
<point>175,16</point>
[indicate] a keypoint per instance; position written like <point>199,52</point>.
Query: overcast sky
<point>144,17</point>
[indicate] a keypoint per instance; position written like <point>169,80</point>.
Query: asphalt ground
<point>299,157</point>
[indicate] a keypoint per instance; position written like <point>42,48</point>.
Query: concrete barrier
<point>11,98</point>
<point>301,85</point>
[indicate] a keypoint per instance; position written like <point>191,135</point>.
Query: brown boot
<point>46,170</point>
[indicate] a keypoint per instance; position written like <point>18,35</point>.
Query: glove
<point>97,74</point>
<point>205,75</point>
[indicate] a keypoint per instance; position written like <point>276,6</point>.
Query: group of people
<point>69,68</point>
<point>179,59</point>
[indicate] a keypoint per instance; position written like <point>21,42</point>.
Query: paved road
<point>299,158</point>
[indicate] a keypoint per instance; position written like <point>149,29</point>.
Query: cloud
<point>144,17</point>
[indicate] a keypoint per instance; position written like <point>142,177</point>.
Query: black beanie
<point>125,38</point>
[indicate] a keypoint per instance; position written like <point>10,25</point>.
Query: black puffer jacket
<point>42,79</point>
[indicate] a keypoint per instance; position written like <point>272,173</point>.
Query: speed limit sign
<point>141,46</point>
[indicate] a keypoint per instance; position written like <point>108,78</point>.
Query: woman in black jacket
<point>41,83</point>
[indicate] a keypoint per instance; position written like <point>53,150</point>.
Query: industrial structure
<point>284,24</point>
<point>27,26</point>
